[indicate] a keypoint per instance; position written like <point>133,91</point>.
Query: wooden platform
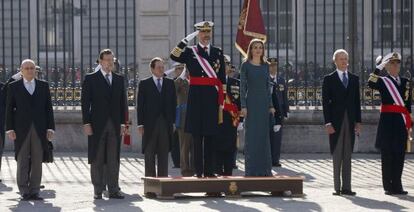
<point>166,187</point>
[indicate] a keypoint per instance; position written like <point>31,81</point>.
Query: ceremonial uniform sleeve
<point>326,100</point>
<point>243,85</point>
<point>374,79</point>
<point>179,53</point>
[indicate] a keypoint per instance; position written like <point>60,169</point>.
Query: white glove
<point>190,37</point>
<point>287,115</point>
<point>276,128</point>
<point>240,127</point>
<point>384,61</point>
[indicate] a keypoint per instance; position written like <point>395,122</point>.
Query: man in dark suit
<point>226,140</point>
<point>394,122</point>
<point>281,105</point>
<point>30,124</point>
<point>103,112</point>
<point>342,113</point>
<point>207,78</point>
<point>156,104</point>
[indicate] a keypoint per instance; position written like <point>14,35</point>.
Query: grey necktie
<point>107,79</point>
<point>159,87</point>
<point>30,87</point>
<point>345,80</point>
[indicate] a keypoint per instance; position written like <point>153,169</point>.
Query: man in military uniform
<point>182,84</point>
<point>226,139</point>
<point>395,121</point>
<point>175,148</point>
<point>281,104</point>
<point>205,64</point>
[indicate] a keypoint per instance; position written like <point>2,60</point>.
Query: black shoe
<point>235,167</point>
<point>0,180</point>
<point>389,193</point>
<point>35,197</point>
<point>400,192</point>
<point>213,194</point>
<point>97,196</point>
<point>150,195</point>
<point>198,175</point>
<point>42,186</point>
<point>348,192</point>
<point>336,193</point>
<point>25,197</point>
<point>116,195</point>
<point>277,165</point>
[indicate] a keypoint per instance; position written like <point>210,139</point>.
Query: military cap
<point>395,56</point>
<point>204,26</point>
<point>272,60</point>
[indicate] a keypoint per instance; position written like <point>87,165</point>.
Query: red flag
<point>250,26</point>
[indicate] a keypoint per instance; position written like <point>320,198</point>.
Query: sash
<point>398,102</point>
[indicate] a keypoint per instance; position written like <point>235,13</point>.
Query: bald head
<point>28,61</point>
<point>28,69</point>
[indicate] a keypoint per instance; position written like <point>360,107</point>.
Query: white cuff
<point>140,125</point>
<point>50,130</point>
<point>328,124</point>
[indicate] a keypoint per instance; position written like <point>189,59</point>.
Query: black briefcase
<point>49,157</point>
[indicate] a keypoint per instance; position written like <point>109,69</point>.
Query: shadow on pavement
<point>374,204</point>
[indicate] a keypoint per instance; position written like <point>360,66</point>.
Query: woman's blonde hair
<point>249,51</point>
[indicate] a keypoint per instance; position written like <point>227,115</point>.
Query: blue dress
<point>255,96</point>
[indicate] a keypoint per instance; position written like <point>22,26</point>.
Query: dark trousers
<point>342,157</point>
<point>175,149</point>
<point>106,158</point>
<point>203,155</point>
<point>225,162</point>
<point>157,148</point>
<point>186,153</point>
<point>275,144</point>
<point>392,164</point>
<point>29,164</point>
<point>1,148</point>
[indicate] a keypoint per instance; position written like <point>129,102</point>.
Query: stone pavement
<point>68,188</point>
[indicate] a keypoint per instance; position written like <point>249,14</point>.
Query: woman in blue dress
<point>256,105</point>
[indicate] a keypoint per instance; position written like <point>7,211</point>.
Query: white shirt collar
<point>341,73</point>
<point>202,46</point>
<point>104,73</point>
<point>156,79</point>
<point>208,47</point>
<point>27,81</point>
